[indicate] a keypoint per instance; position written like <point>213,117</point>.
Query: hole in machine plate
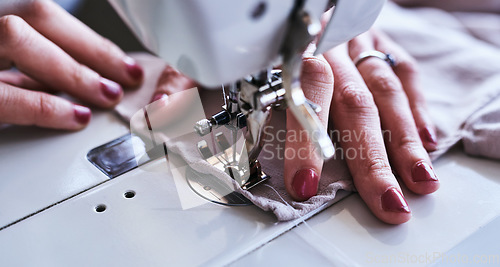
<point>100,208</point>
<point>129,194</point>
<point>259,10</point>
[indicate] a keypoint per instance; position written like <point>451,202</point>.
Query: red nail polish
<point>82,114</point>
<point>305,183</point>
<point>158,97</point>
<point>393,201</point>
<point>422,172</point>
<point>110,89</point>
<point>134,70</point>
<point>428,135</point>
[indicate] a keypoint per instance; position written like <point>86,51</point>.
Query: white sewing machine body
<point>237,44</point>
<point>220,41</point>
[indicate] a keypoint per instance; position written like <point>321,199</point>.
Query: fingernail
<point>428,135</point>
<point>110,89</point>
<point>134,70</point>
<point>305,183</point>
<point>82,114</point>
<point>422,172</point>
<point>393,201</point>
<point>158,97</point>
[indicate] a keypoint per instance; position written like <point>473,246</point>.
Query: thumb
<point>303,163</point>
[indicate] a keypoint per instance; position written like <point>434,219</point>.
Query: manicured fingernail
<point>393,201</point>
<point>305,183</point>
<point>422,172</point>
<point>134,70</point>
<point>82,114</point>
<point>428,135</point>
<point>158,97</point>
<point>110,89</point>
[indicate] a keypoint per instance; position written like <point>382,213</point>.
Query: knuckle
<point>377,165</point>
<point>408,142</point>
<point>45,108</point>
<point>4,97</point>
<point>419,110</point>
<point>353,97</point>
<point>385,84</point>
<point>77,75</point>
<point>409,66</point>
<point>35,9</point>
<point>12,31</point>
<point>106,48</point>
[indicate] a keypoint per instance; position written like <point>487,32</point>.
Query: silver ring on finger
<point>377,54</point>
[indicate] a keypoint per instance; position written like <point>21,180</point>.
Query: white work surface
<point>48,192</point>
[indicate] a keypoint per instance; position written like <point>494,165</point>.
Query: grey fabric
<point>460,74</point>
<point>335,176</point>
<point>481,132</point>
<point>483,26</point>
<point>460,77</point>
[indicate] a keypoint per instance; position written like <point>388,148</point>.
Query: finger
<point>355,114</point>
<point>47,63</point>
<point>24,107</point>
<point>5,64</point>
<point>302,162</point>
<point>19,79</point>
<point>82,43</point>
<point>407,72</point>
<point>171,81</point>
<point>406,152</point>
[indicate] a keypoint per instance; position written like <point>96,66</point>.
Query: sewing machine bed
<point>49,194</point>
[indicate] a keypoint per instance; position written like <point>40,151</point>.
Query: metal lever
<point>317,108</point>
<point>307,117</point>
<point>296,42</point>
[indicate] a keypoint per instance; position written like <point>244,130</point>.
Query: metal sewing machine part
<point>220,41</point>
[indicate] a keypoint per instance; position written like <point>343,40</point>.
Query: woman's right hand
<point>53,51</point>
<point>383,125</point>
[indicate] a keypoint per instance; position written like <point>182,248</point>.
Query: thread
<point>224,95</point>
<point>340,258</point>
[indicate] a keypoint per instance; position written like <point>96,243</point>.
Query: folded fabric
<point>481,132</point>
<point>481,25</point>
<point>460,73</point>
<point>460,79</point>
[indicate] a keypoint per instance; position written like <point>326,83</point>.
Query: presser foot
<point>214,190</point>
<point>234,163</point>
<point>228,160</point>
<point>257,176</point>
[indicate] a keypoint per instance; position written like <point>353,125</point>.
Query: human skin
<point>54,52</point>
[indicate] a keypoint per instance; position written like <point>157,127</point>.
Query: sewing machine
<point>56,209</point>
<point>236,45</point>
